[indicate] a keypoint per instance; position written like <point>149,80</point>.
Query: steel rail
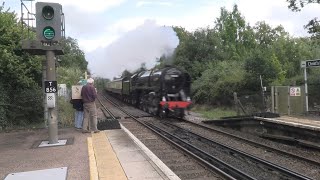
<point>256,144</point>
<point>270,165</point>
<point>106,109</point>
<point>232,173</point>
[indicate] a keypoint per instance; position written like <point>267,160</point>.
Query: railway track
<point>200,127</point>
<point>225,169</point>
<point>229,159</point>
<point>184,166</point>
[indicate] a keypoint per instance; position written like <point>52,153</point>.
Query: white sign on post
<point>76,92</point>
<point>51,100</point>
<point>295,91</point>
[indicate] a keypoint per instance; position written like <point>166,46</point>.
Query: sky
<point>122,34</point>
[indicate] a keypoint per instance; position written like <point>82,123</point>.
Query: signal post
<point>49,31</point>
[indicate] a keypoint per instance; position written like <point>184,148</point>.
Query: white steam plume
<point>141,45</point>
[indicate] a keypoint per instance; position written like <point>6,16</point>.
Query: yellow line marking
<point>92,161</point>
<point>108,165</point>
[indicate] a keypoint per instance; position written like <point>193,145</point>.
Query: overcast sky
<point>121,34</point>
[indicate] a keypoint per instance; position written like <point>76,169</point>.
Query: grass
<point>213,112</point>
<point>66,112</point>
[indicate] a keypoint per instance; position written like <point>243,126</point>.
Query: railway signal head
<point>48,21</point>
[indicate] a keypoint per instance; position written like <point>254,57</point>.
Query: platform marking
<point>164,168</point>
<point>92,161</point>
<point>108,165</point>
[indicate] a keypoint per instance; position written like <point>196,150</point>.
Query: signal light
<point>48,21</point>
<point>47,12</point>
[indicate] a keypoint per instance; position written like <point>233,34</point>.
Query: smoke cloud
<point>144,44</point>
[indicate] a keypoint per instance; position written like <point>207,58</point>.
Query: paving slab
<point>20,152</point>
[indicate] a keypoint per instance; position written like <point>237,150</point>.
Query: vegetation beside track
<point>211,112</point>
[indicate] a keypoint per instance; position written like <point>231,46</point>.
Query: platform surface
<point>119,155</point>
<point>116,155</point>
<point>19,153</point>
<point>301,122</point>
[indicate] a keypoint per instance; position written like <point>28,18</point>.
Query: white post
<point>306,89</point>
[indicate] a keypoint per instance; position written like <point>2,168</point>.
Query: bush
<point>66,112</point>
<point>20,106</point>
<point>218,82</point>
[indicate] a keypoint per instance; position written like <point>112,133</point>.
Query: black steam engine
<point>162,92</point>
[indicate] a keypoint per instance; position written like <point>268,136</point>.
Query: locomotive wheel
<point>181,113</point>
<point>163,113</point>
<point>154,106</point>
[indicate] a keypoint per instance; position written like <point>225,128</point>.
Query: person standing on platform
<point>78,106</point>
<point>89,95</point>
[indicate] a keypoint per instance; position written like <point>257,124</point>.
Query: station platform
<point>312,123</point>
<point>110,154</point>
<point>117,154</point>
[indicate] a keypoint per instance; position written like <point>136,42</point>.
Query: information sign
<point>50,86</point>
<point>295,91</point>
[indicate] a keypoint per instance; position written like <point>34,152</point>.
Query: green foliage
<point>218,82</point>
<point>20,73</point>
<point>66,112</point>
<point>313,25</point>
<point>233,55</point>
<point>15,109</point>
<point>20,77</point>
<point>210,112</point>
<point>100,83</point>
<point>297,5</point>
<point>69,75</point>
<point>74,56</point>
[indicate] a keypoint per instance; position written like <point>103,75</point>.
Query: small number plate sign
<point>50,86</point>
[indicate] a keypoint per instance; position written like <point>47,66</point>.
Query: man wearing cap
<point>89,95</point>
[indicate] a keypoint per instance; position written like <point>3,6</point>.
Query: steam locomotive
<point>162,92</point>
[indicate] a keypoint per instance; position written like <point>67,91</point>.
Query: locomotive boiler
<point>162,92</point>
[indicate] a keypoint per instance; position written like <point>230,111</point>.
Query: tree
<point>250,51</point>
<point>218,82</point>
<point>20,76</point>
<point>237,38</point>
<point>73,55</point>
<point>313,25</point>
<point>297,5</point>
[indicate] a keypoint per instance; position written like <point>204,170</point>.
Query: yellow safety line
<point>108,165</point>
<point>92,161</point>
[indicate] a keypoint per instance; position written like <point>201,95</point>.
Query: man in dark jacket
<point>89,95</point>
